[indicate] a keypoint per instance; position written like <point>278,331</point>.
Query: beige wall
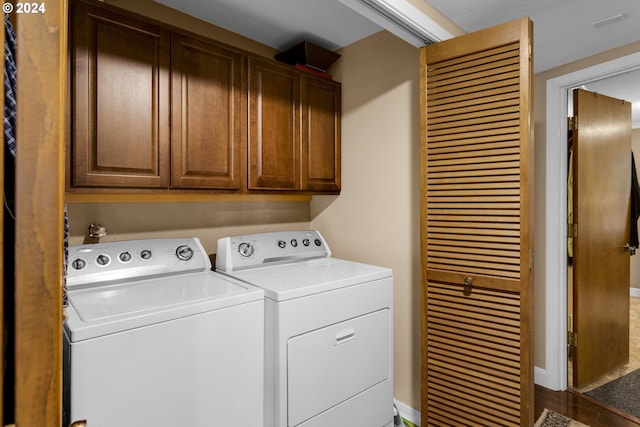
<point>376,218</point>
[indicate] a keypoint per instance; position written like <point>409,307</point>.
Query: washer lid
<point>103,310</point>
<point>297,279</point>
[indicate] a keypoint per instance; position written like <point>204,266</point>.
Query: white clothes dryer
<point>153,337</point>
<point>328,330</point>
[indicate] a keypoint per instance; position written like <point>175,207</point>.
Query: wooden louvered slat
<point>476,239</point>
<point>494,179</point>
<point>472,150</point>
<point>479,405</point>
<point>463,391</point>
<point>472,218</point>
<point>504,105</point>
<point>457,63</point>
<point>450,170</point>
<point>476,353</point>
<point>457,146</point>
<point>480,129</point>
<point>476,229</point>
<point>471,158</point>
<point>450,247</point>
<point>478,76</point>
<point>492,91</point>
<point>446,138</point>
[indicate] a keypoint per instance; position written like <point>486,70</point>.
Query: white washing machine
<point>153,337</point>
<point>328,330</point>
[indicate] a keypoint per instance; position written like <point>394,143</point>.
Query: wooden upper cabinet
<point>274,126</point>
<point>206,114</point>
<point>120,100</point>
<point>321,112</point>
<point>158,108</point>
<point>294,129</point>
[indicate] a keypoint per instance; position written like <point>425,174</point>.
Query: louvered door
<point>476,233</point>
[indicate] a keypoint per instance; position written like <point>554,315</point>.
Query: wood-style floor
<point>581,408</point>
<point>634,349</point>
<point>586,410</point>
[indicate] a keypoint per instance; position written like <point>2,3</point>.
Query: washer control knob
<point>282,244</point>
<point>245,249</point>
<point>78,263</point>
<point>184,253</point>
<point>318,242</point>
<point>294,243</point>
<point>103,260</point>
<point>124,256</point>
<point>305,242</point>
<point>145,254</point>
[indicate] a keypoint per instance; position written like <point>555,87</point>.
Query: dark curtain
<point>9,218</point>
<point>635,205</point>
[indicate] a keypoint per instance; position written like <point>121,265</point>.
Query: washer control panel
<point>256,250</point>
<point>118,261</point>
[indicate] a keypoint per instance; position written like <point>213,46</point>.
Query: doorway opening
<point>555,373</point>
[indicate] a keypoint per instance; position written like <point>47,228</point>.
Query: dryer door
<point>330,365</point>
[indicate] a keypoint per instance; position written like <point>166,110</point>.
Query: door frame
<point>554,375</point>
<point>41,127</point>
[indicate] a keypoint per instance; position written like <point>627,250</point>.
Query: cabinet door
<point>120,112</point>
<point>206,114</point>
<point>274,126</point>
<point>321,111</point>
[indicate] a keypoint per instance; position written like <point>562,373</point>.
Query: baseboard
<point>634,292</point>
<point>408,413</point>
<point>544,378</point>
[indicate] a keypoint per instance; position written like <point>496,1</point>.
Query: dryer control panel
<point>280,247</point>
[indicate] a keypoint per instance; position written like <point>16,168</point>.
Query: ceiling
<point>283,23</point>
<point>564,30</point>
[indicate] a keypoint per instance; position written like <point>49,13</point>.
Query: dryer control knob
<point>103,260</point>
<point>184,253</point>
<point>78,263</point>
<point>124,256</point>
<point>245,249</point>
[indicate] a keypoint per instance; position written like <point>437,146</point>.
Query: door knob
<point>630,249</point>
<point>82,423</point>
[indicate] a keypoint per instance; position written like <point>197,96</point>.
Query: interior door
<point>601,206</point>
<point>476,228</point>
<point>42,37</point>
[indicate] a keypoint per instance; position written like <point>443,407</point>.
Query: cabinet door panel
<point>321,103</point>
<point>206,114</point>
<point>120,134</point>
<point>274,128</point>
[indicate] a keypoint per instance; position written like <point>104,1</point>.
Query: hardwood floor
<point>581,408</point>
